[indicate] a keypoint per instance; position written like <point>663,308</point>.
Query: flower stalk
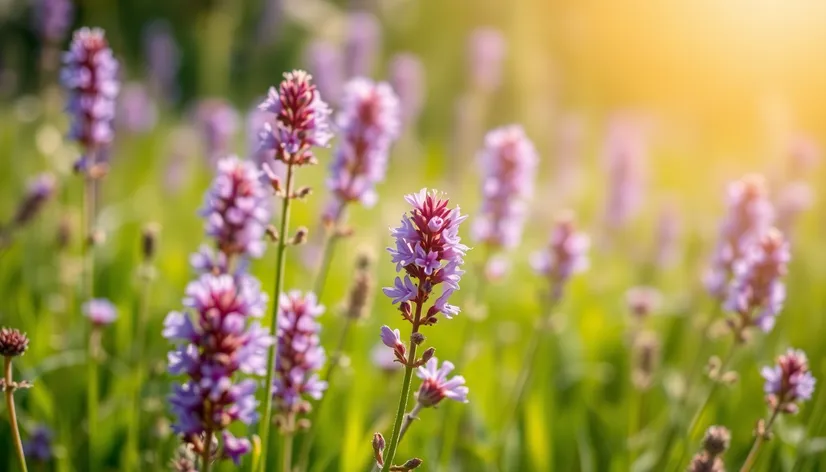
<point>9,388</point>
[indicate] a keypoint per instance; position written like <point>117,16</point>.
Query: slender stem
<point>335,361</point>
<point>87,248</point>
<point>408,374</point>
<point>15,431</point>
<point>206,450</point>
<point>409,418</point>
<point>287,453</point>
<point>758,441</point>
<point>327,253</point>
<point>527,368</point>
<point>143,309</point>
<point>92,393</point>
<point>279,283</point>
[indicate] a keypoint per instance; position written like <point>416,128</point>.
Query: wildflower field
<point>445,235</point>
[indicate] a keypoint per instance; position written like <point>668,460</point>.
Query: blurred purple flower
<point>429,250</point>
<point>234,447</point>
<point>137,112</point>
<point>362,41</point>
<point>789,381</point>
<point>40,190</point>
<point>625,160</point>
<point>53,19</point>
<point>508,163</point>
<point>301,120</point>
<point>89,76</point>
<point>300,354</point>
<point>436,386</point>
<point>269,21</point>
<point>368,124</point>
<point>757,292</point>
<point>100,311</point>
<point>566,255</point>
<point>39,446</point>
<point>486,53</point>
<point>217,121</point>
<point>749,214</point>
<point>326,63</point>
<point>384,358</point>
<point>794,199</point>
<point>407,75</point>
<point>236,209</point>
<point>163,59</point>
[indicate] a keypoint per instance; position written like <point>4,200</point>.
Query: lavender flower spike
<point>361,44</point>
<point>237,208</point>
<point>369,123</point>
<point>407,76</point>
<point>90,77</point>
<point>436,386</point>
<point>217,121</point>
<point>100,311</point>
<point>39,446</point>
<point>54,17</point>
<point>300,354</point>
<point>301,120</point>
<point>429,251</point>
<point>565,256</point>
<point>509,163</point>
<point>788,382</point>
<point>486,52</point>
<point>757,292</point>
<point>327,65</point>
<point>749,214</point>
<point>214,344</point>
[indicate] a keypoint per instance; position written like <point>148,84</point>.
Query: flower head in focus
<point>789,382</point>
<point>436,386</point>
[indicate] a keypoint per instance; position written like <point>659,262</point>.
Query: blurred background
<point>698,92</point>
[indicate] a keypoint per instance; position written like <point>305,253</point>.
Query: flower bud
<point>13,343</point>
<point>417,338</point>
<point>300,236</point>
<point>149,240</point>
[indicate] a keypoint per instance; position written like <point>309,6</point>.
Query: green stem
<point>15,430</point>
<point>287,453</point>
<point>266,421</point>
<point>758,441</point>
<point>206,450</point>
<point>409,418</point>
<point>335,361</point>
<point>405,394</point>
<point>92,394</point>
<point>143,309</point>
<point>327,258</point>
<point>87,248</point>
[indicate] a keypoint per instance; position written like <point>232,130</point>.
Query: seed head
<point>13,343</point>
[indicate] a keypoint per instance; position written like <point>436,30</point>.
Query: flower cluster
<point>565,256</point>
<point>436,386</point>
<point>756,293</point>
<point>429,250</point>
<point>100,311</point>
<point>788,382</point>
<point>749,215</point>
<point>369,123</point>
<point>13,343</point>
<point>715,442</point>
<point>54,17</point>
<point>212,345</point>
<point>217,122</point>
<point>509,163</point>
<point>486,52</point>
<point>301,120</point>
<point>236,210</point>
<point>361,43</point>
<point>299,355</point>
<point>407,75</point>
<point>625,155</point>
<point>90,77</point>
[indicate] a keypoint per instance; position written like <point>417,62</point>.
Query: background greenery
<point>724,85</point>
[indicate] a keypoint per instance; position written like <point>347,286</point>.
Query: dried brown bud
<point>302,193</point>
<point>411,464</point>
<point>417,338</point>
<point>428,354</point>
<point>378,448</point>
<point>716,440</point>
<point>272,233</point>
<point>149,241</point>
<point>99,170</point>
<point>358,301</point>
<point>646,359</point>
<point>703,462</point>
<point>300,236</point>
<point>12,342</point>
<point>64,233</point>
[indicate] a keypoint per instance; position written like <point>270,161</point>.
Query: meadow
<point>642,237</point>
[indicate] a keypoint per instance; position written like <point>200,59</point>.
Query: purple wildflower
<point>749,215</point>
<point>234,447</point>
<point>163,59</point>
<point>214,343</point>
<point>361,44</point>
<point>788,382</point>
<point>566,255</point>
<point>327,65</point>
<point>508,162</point>
<point>436,386</point>
<point>89,76</point>
<point>137,112</point>
<point>300,354</point>
<point>757,292</point>
<point>301,120</point>
<point>407,75</point>
<point>217,121</point>
<point>39,191</point>
<point>100,311</point>
<point>369,123</point>
<point>429,250</point>
<point>392,339</point>
<point>794,199</point>
<point>625,155</point>
<point>486,52</point>
<point>54,17</point>
<point>237,209</point>
<point>39,446</point>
